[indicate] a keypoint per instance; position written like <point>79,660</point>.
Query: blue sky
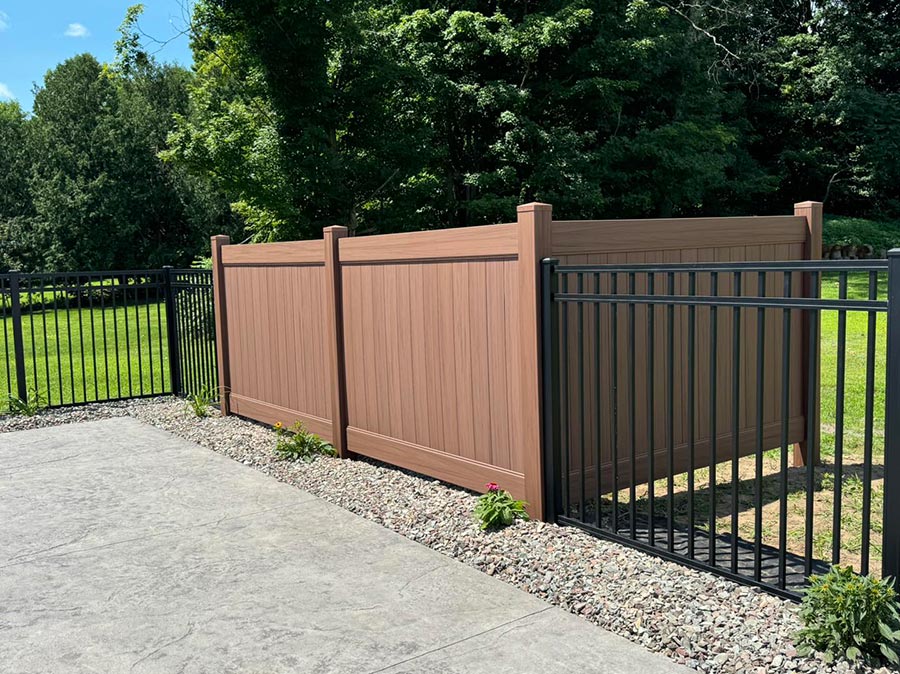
<point>35,35</point>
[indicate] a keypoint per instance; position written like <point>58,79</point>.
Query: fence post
<point>334,322</point>
<point>550,390</point>
<point>890,545</point>
<point>219,290</point>
<point>808,448</point>
<point>18,337</point>
<point>172,332</point>
<point>534,221</point>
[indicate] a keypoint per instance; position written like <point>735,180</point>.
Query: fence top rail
<point>281,253</point>
<point>686,267</point>
<point>727,301</point>
<point>189,270</point>
<point>577,237</point>
<point>438,244</point>
<point>24,276</point>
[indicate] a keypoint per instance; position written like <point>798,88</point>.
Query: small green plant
<point>497,508</point>
<point>29,407</point>
<point>298,443</point>
<point>199,403</point>
<point>852,616</point>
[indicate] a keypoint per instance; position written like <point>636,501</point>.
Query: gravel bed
<point>695,618</point>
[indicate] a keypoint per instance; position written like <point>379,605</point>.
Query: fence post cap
<point>221,237</point>
<point>534,206</point>
<point>894,252</point>
<point>337,229</point>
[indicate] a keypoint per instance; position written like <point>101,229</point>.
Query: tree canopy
<point>392,115</point>
<point>83,186</point>
<point>399,114</point>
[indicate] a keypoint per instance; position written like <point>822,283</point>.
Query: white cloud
<point>4,21</point>
<point>77,30</point>
<point>5,93</point>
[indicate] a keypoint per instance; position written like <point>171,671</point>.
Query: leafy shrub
<point>201,262</point>
<point>843,231</point>
<point>848,615</point>
<point>200,402</point>
<point>497,508</point>
<point>298,443</point>
<point>29,407</point>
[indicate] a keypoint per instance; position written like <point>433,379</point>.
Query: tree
<point>395,115</point>
<point>103,197</point>
<point>838,82</point>
<point>15,161</point>
<point>16,208</point>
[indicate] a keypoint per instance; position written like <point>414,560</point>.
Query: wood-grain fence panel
<point>593,398</point>
<point>443,356</point>
<point>278,344</point>
<point>423,349</point>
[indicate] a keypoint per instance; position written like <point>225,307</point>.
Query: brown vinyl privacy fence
<point>423,349</point>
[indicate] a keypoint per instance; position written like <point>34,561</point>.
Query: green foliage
<point>81,183</point>
<point>497,508</point>
<point>852,616</point>
<point>29,407</point>
<point>15,199</point>
<point>199,402</point>
<point>844,231</point>
<point>299,444</point>
<point>401,115</point>
<point>202,262</point>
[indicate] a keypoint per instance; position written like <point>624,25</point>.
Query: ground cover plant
<point>200,402</point>
<point>846,615</point>
<point>497,508</point>
<point>29,406</point>
<point>298,444</point>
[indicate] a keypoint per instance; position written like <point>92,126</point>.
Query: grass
<point>74,356</point>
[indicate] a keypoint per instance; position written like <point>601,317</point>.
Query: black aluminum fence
<point>80,337</point>
<point>193,333</point>
<point>721,368</point>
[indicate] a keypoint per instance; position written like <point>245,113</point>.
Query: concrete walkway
<point>126,549</point>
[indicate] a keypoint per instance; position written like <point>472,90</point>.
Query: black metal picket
<point>698,520</point>
<point>78,337</point>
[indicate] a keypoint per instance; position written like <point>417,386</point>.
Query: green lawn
<point>855,369</point>
<point>84,355</point>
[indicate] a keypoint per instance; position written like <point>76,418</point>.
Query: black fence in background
<point>81,337</point>
<point>748,515</point>
<point>193,332</point>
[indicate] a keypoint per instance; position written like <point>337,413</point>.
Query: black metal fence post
<point>172,333</point>
<point>550,389</point>
<point>18,337</point>
<point>891,541</point>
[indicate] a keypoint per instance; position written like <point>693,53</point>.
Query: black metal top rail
<point>83,274</point>
<point>684,267</point>
<point>728,301</point>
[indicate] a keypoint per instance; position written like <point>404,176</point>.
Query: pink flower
<point>493,486</point>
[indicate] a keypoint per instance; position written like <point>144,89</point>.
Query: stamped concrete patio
<point>126,549</point>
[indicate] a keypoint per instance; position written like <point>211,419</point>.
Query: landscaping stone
<point>695,618</point>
